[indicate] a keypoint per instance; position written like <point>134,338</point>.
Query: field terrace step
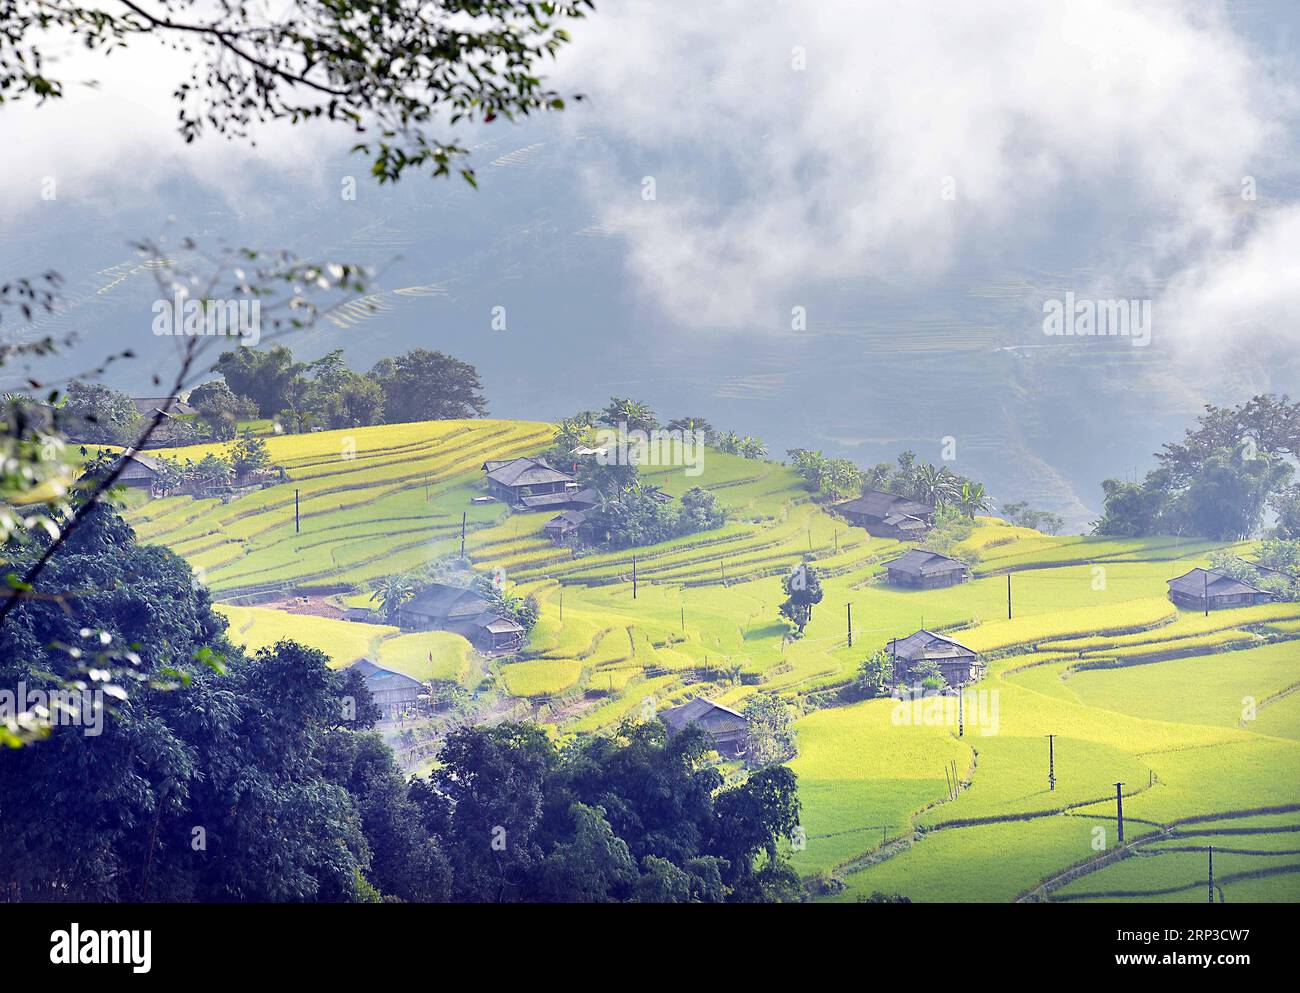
<point>450,467</point>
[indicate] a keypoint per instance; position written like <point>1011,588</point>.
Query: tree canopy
<point>1219,481</point>
<point>421,385</point>
<point>222,776</point>
<point>387,72</point>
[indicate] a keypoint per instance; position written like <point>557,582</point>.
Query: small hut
<point>888,515</point>
<point>565,525</point>
<point>395,693</point>
<point>1203,589</point>
<point>925,570</point>
<point>727,729</point>
<point>958,664</point>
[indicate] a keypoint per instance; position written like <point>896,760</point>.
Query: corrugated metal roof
<point>441,600</point>
<point>379,678</point>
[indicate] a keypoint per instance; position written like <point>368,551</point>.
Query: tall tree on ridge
<point>421,385</point>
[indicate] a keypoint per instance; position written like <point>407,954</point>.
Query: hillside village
<point>468,571</point>
<point>625,455</point>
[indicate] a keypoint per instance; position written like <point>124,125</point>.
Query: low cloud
<point>1249,290</point>
<point>791,142</point>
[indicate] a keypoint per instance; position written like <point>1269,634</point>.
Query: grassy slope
<point>425,655</point>
<point>1171,729</point>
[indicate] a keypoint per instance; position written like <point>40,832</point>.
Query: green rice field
<point>1198,717</point>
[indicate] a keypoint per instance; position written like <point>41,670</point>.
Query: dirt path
<point>315,605</point>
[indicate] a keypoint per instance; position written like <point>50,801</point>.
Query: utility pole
<point>296,525</point>
<point>1211,874</point>
<point>1051,762</point>
<point>1008,596</point>
<point>850,608</point>
<point>837,541</point>
<point>961,711</point>
<point>1119,809</point>
<point>464,516</point>
<point>683,620</point>
<point>633,577</point>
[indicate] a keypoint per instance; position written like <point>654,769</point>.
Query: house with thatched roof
<point>958,664</point>
<point>926,570</point>
<point>1202,589</point>
<point>571,499</point>
<point>726,728</point>
<point>139,471</point>
<point>888,515</point>
<point>565,525</point>
<point>439,607</point>
<point>511,480</point>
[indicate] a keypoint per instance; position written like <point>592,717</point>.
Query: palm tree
<point>751,448</point>
<point>571,433</point>
<point>605,503</point>
<point>635,414</point>
<point>813,466</point>
<point>973,499</point>
<point>728,442</point>
<point>697,425</point>
<point>390,593</point>
<point>843,478</point>
<point>935,486</point>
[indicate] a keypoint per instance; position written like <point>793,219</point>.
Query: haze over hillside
<point>910,337</point>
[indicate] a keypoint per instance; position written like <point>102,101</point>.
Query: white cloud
<point>111,145</point>
<point>1249,290</point>
<point>769,178</point>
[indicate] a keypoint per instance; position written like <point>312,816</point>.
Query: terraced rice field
<point>426,655</point>
<point>371,502</point>
<point>1198,717</point>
